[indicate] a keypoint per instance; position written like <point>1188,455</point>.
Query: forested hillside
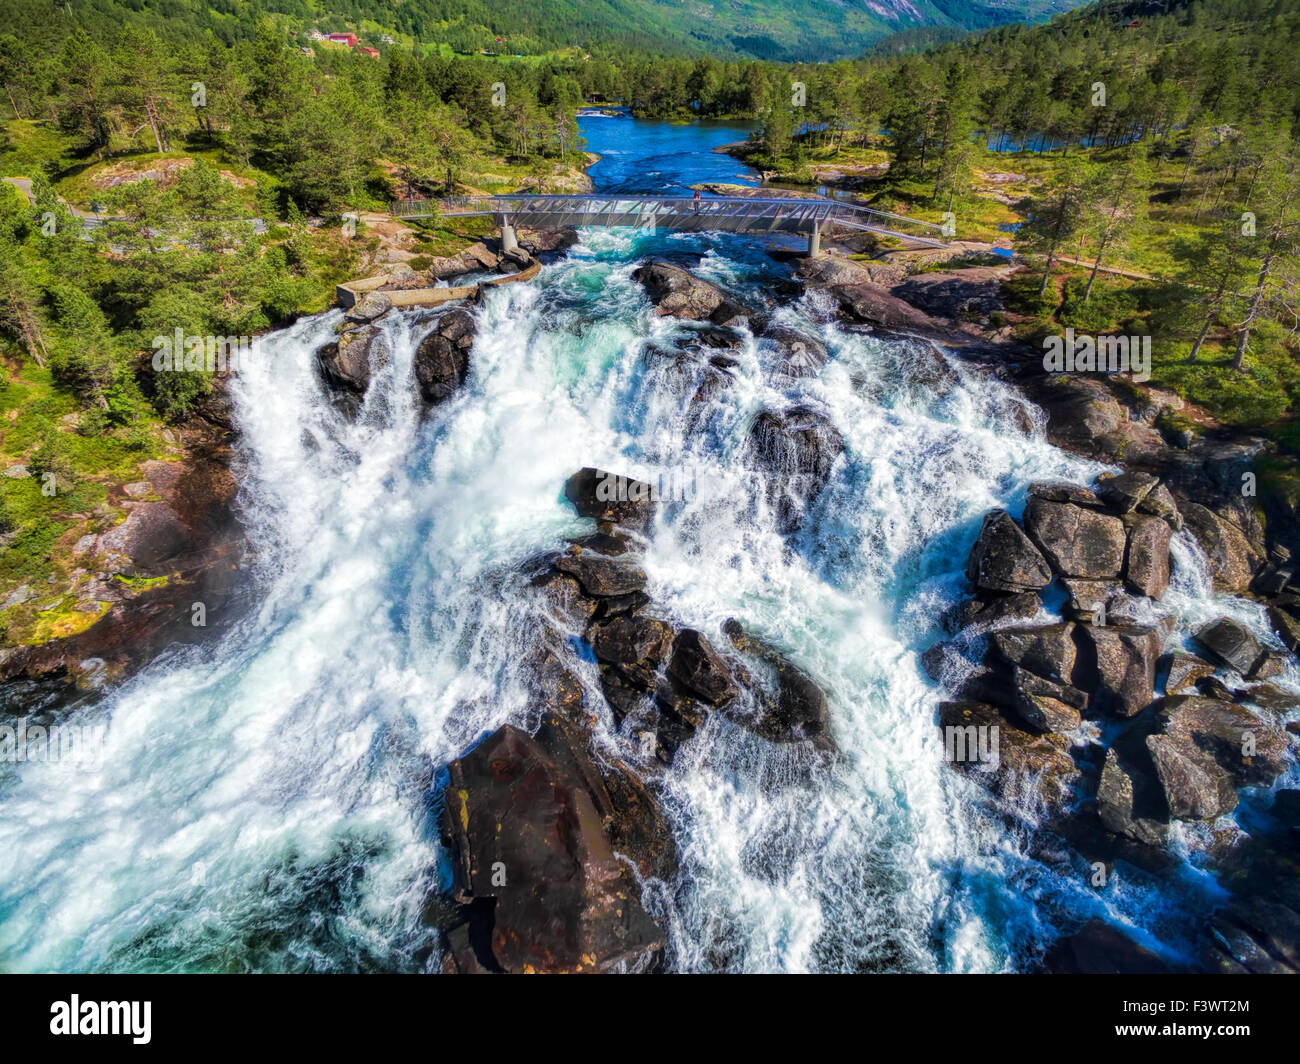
<point>764,29</point>
<point>185,125</point>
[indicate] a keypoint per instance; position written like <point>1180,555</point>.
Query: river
<point>263,804</point>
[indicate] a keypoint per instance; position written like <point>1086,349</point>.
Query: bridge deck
<point>737,214</point>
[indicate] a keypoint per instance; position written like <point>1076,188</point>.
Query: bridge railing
<point>814,210</point>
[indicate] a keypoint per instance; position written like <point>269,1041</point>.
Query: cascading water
<point>263,803</point>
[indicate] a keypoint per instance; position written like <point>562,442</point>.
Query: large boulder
<point>151,535</point>
<point>635,646</point>
<point>1146,560</point>
<point>700,670</point>
<point>960,295</point>
<point>1233,558</point>
<point>797,448</point>
<point>983,742</point>
<point>529,822</point>
<point>1046,705</point>
<point>799,712</point>
<point>349,363</point>
<point>601,576</point>
<point>1005,559</point>
<point>1194,785</point>
<point>831,270</point>
<point>801,355</point>
<point>1185,670</point>
<point>678,293</point>
<point>874,304</point>
<point>442,359</point>
<point>370,307</point>
<point>1231,644</point>
<point>610,497</point>
<point>1099,948</point>
<point>1077,541</point>
<point>1047,650</point>
<point>1253,753</point>
<point>1125,491</point>
<point>1119,666</point>
<point>1129,805</point>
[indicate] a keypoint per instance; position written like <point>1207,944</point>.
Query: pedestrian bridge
<point>807,216</point>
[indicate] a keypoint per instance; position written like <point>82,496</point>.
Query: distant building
<point>308,52</point>
<point>372,52</point>
<point>385,39</point>
<point>350,39</point>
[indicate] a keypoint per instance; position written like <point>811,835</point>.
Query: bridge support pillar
<point>815,241</point>
<point>509,242</point>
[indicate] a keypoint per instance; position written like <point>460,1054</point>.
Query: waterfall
<point>263,803</point>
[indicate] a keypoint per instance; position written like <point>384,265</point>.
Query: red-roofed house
<point>372,52</point>
<point>350,39</point>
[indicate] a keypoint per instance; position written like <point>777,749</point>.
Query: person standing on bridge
<point>697,201</point>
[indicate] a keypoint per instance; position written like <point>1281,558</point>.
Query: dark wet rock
<point>1252,752</point>
<point>370,307</point>
<point>1184,672</point>
<point>611,497</point>
<point>1194,785</point>
<point>624,698</point>
<point>1004,558</point>
<point>1124,492</point>
<point>608,543</point>
<point>700,669</point>
<point>991,608</point>
<point>799,712</point>
<point>1076,541</point>
<point>797,448</point>
<point>530,824</point>
<point>1126,812</point>
<point>442,359</point>
<point>1230,644</point>
<point>151,535</point>
<point>680,294</point>
<point>1286,626</point>
<point>1270,664</point>
<point>566,600</point>
<point>1270,697</point>
<point>1047,650</point>
<point>636,646</point>
<point>873,304</point>
<point>602,576</point>
<point>679,717</point>
<point>1159,502</point>
<point>622,605</point>
<point>801,355</point>
<point>1213,687</point>
<point>1044,704</point>
<point>1063,491</point>
<point>1118,665</point>
<point>960,295</point>
<point>1103,601</point>
<point>831,270</point>
<point>1099,948</point>
<point>1146,561</point>
<point>1082,415</point>
<point>1233,558</point>
<point>987,744</point>
<point>348,363</point>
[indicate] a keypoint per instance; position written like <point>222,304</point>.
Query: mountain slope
<point>765,29</point>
